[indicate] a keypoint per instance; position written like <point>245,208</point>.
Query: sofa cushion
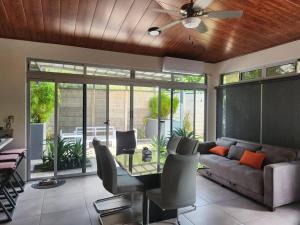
<point>219,150</point>
<point>235,152</point>
<point>246,177</point>
<point>225,143</point>
<point>249,146</point>
<point>217,164</point>
<point>275,154</point>
<point>253,159</point>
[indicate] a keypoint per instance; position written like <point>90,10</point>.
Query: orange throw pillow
<point>253,159</point>
<point>219,150</point>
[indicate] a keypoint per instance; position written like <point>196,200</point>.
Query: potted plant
<point>42,98</point>
<point>165,110</point>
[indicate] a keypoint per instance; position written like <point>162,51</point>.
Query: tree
<point>42,98</point>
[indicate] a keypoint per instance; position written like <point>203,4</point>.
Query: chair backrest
<point>97,148</point>
<point>178,181</point>
<point>108,169</point>
<point>173,143</point>
<point>126,142</point>
<point>187,146</point>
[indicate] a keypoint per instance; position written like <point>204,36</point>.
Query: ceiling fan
<point>192,15</point>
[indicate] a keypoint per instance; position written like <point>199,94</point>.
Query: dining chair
<point>178,184</point>
<point>120,172</point>
<point>126,142</point>
<point>116,185</point>
<point>187,146</point>
<point>173,144</point>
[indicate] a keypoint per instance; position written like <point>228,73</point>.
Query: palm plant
<point>183,132</point>
<point>161,144</point>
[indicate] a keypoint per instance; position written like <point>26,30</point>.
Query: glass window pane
<point>200,115</point>
<point>281,70</point>
<point>298,66</point>
<point>51,67</point>
<point>153,75</point>
<point>186,78</point>
<point>231,78</point>
<point>252,75</point>
<point>98,71</point>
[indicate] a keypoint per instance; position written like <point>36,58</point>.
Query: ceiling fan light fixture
<point>154,31</point>
<point>191,22</point>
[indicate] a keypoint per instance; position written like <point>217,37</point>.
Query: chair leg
<point>148,210</point>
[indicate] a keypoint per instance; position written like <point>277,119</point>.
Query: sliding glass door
<point>41,128</point>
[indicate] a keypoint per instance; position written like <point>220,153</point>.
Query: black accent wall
<point>277,122</point>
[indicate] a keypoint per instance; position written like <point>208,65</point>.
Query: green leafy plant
<point>165,106</point>
<point>42,99</point>
<point>183,132</point>
<point>69,154</point>
<point>161,144</point>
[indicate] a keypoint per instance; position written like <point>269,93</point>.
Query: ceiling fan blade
<point>202,28</point>
<point>168,11</point>
<point>169,25</point>
<point>202,4</point>
<point>225,14</point>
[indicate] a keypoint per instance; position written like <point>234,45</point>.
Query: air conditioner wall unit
<point>185,66</point>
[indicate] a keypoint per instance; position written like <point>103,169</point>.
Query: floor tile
<point>63,203</point>
<point>72,186</point>
<point>72,217</point>
<point>211,215</point>
<point>28,208</point>
<point>244,209</point>
<point>35,220</point>
<point>273,220</point>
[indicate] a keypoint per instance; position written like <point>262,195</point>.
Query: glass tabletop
<point>137,165</point>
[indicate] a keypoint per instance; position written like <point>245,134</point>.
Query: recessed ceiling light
<point>154,31</point>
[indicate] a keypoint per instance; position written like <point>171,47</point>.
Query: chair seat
<point>155,196</point>
<point>19,151</point>
<point>127,183</point>
<point>120,171</point>
<point>8,166</point>
<point>9,158</point>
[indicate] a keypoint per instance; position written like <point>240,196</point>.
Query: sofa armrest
<point>205,146</point>
<point>281,183</point>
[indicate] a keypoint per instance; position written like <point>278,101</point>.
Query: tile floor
<point>71,204</point>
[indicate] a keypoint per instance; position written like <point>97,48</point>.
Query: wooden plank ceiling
<point>121,25</point>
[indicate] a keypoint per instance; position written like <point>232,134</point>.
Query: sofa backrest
<point>274,154</point>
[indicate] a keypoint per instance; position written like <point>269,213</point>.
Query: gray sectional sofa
<point>278,183</point>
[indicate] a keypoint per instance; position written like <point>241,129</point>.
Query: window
<point>281,70</point>
<point>251,75</point>
<point>53,67</point>
<point>187,78</point>
<point>98,71</point>
<point>153,75</point>
<point>298,66</point>
<point>230,78</point>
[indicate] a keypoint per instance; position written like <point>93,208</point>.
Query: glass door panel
<point>119,113</point>
<point>41,146</point>
<point>96,118</point>
<point>200,115</point>
<point>183,117</point>
<point>70,131</point>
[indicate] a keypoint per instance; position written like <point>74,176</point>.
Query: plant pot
<point>37,138</point>
<point>151,129</point>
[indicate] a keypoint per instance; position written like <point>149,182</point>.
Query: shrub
<point>165,106</point>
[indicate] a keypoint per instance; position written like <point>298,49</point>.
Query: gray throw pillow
<point>235,152</point>
<point>276,154</point>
